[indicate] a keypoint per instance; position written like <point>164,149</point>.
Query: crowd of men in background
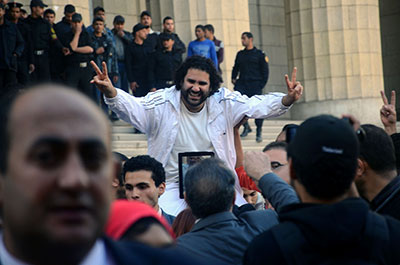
<point>39,49</point>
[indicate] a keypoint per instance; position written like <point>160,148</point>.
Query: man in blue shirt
<point>202,46</point>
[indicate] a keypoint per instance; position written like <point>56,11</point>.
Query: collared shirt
<point>97,255</point>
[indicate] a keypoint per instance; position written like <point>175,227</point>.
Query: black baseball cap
<point>38,3</point>
<point>76,17</point>
<point>139,26</point>
<point>323,137</point>
<point>14,4</point>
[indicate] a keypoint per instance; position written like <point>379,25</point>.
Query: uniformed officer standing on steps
<point>252,66</point>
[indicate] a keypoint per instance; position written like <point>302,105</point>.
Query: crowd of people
<point>326,191</point>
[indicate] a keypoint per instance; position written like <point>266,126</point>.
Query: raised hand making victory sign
<point>295,89</point>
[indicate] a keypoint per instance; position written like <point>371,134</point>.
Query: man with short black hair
<point>331,225</point>
<point>219,45</point>
<point>219,234</point>
<point>202,46</point>
<point>137,61</point>
<point>251,64</point>
<point>123,39</point>
<point>376,179</point>
<point>144,179</point>
<point>163,63</point>
<point>151,42</point>
<point>169,28</point>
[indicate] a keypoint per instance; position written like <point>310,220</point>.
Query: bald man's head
<point>57,173</point>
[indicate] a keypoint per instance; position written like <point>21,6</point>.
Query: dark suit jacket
<point>223,237</point>
<point>168,217</point>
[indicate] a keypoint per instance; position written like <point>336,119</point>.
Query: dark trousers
<point>79,77</point>
<point>8,81</point>
<point>122,78</point>
<point>42,69</point>
<point>23,73</point>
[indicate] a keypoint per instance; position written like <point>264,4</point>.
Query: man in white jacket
<point>204,122</point>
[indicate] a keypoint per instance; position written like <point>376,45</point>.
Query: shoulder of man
<point>158,98</point>
<point>129,252</point>
<point>263,54</point>
<point>223,95</point>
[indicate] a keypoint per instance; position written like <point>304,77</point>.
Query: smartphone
<point>186,160</point>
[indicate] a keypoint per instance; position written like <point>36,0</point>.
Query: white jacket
<point>157,115</point>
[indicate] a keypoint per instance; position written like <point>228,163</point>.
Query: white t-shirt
<point>192,137</point>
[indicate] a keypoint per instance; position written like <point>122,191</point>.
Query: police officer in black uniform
<point>25,61</point>
<point>78,71</point>
<point>11,47</point>
<point>41,34</point>
<point>137,61</point>
<point>163,63</point>
<point>252,66</point>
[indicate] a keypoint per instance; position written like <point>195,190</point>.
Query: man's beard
<point>187,93</point>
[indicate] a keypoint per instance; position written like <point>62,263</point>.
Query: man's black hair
<point>118,19</point>
<point>145,13</point>
<point>49,11</point>
<point>97,19</point>
<point>200,27</point>
<point>167,18</point>
<point>69,9</point>
<point>97,9</point>
<point>276,145</point>
<point>209,27</point>
<point>327,179</point>
<point>248,34</point>
<point>199,63</point>
<point>377,149</point>
<point>210,188</point>
<point>145,162</point>
<point>6,103</point>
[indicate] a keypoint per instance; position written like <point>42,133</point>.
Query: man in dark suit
<point>55,183</point>
<point>219,235</point>
<point>144,179</point>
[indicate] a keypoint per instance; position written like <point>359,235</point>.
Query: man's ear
<point>361,168</point>
<point>161,189</point>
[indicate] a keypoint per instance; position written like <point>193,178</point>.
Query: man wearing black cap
<point>136,60</point>
<point>41,31</point>
<point>25,61</point>
<point>77,71</point>
<point>169,27</point>
<point>123,39</point>
<point>11,47</point>
<point>152,38</point>
<point>163,64</point>
<point>331,225</point>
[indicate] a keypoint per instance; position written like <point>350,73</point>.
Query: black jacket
<point>251,65</point>
<point>12,45</point>
<point>342,233</point>
<point>179,46</point>
<point>41,33</point>
<point>137,59</point>
<point>388,200</point>
<point>26,34</point>
<point>162,66</point>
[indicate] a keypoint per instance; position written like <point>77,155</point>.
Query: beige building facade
<point>346,51</point>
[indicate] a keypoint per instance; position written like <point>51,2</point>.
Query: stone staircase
<point>130,144</point>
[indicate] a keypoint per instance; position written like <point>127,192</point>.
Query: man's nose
<point>74,175</point>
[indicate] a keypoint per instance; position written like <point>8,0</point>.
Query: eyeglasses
<point>276,165</point>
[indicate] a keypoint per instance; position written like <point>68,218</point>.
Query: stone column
<point>336,46</point>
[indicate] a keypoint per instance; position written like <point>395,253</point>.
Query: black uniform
<point>78,71</point>
<point>163,65</point>
<point>41,39</point>
<point>253,70</point>
<point>151,42</point>
<point>11,47</point>
<point>137,63</point>
<point>27,56</point>
<point>178,47</point>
